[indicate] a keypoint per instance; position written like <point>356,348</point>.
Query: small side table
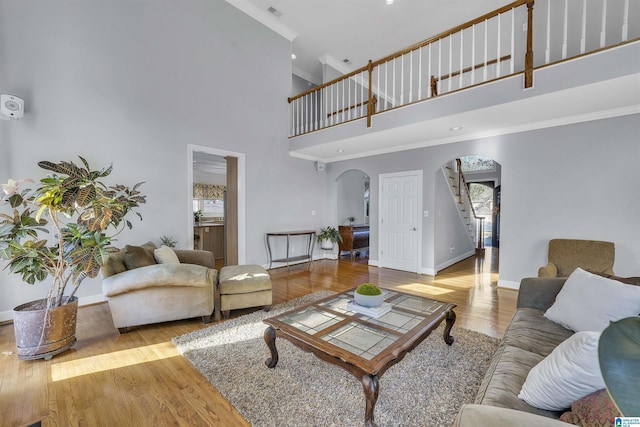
<point>308,257</point>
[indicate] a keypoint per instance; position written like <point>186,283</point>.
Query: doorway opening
<point>220,200</point>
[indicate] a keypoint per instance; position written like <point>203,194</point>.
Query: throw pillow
<point>588,302</point>
<point>570,372</point>
<point>139,256</point>
<point>594,410</point>
<point>165,255</point>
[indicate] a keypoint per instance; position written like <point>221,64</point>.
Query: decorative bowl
<point>368,300</point>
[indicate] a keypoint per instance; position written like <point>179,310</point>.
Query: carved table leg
<point>270,339</point>
<point>451,319</point>
<point>371,387</point>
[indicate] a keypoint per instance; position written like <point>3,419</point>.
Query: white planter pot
<point>326,244</point>
<point>368,300</point>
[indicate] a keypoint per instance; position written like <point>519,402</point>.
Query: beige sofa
<point>141,291</point>
<point>528,339</point>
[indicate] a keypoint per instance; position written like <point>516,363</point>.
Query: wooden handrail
<point>475,67</point>
<point>351,107</point>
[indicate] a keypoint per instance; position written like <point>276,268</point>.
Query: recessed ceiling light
<point>455,128</point>
<point>293,56</point>
<point>340,150</point>
<point>389,1</point>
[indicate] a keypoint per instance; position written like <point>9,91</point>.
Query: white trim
<point>428,271</point>
<point>509,284</point>
<point>242,216</point>
<point>264,18</point>
<point>419,174</point>
<point>7,316</point>
<point>452,261</point>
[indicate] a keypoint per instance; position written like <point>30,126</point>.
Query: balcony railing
<point>496,45</point>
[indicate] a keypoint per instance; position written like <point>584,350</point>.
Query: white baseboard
<point>452,261</point>
<point>428,271</point>
<point>509,284</point>
<point>7,316</point>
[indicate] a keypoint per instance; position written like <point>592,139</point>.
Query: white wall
<point>133,83</point>
<point>574,181</point>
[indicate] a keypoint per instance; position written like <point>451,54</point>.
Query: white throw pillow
<point>569,373</point>
<point>588,302</point>
<point>165,255</point>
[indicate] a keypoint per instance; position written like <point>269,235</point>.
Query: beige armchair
<point>565,255</point>
<point>141,291</point>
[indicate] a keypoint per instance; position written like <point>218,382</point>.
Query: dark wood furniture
<point>354,237</point>
<point>309,235</point>
<point>209,237</point>
<point>364,346</point>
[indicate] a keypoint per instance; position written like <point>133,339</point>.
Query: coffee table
<point>364,346</point>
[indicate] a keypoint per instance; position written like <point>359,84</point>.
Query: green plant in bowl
<point>368,295</point>
<point>368,289</point>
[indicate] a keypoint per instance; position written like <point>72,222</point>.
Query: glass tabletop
<point>331,321</point>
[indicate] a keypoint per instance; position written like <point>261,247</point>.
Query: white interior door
<point>401,202</point>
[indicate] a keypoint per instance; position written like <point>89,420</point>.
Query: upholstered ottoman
<point>243,286</point>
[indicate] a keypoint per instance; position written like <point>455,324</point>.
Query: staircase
<point>473,224</point>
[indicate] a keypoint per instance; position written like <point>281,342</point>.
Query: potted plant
<point>368,295</point>
<point>78,209</point>
<point>328,236</point>
<point>196,216</point>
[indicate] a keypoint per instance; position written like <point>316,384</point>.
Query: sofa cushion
<point>240,279</point>
<point>594,410</point>
<point>165,255</point>
<point>588,302</point>
<point>504,378</point>
<point>569,373</point>
<point>158,275</point>
<point>139,256</point>
<point>531,331</point>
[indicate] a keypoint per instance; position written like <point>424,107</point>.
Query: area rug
<point>426,388</point>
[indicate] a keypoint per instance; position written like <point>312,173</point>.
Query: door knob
<point>415,229</point>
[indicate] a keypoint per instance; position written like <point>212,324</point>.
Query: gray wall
<point>133,83</point>
<point>573,181</point>
<point>351,197</point>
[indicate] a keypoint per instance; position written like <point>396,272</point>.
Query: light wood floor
<point>139,379</point>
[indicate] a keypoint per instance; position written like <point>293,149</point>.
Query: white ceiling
<point>358,30</point>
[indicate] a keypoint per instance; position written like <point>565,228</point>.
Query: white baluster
<point>402,80</point>
<point>486,50</point>
<point>429,94</point>
<point>473,54</point>
<point>393,81</point>
<point>378,69</point>
<point>460,79</point>
<point>450,61</point>
<point>603,27</point>
<point>513,40</point>
<point>583,35</point>
<point>439,83</point>
<point>410,76</point>
<point>625,22</point>
<point>345,107</point>
<point>565,29</point>
<point>498,47</point>
<point>362,108</point>
<point>386,77</point>
<point>547,52</point>
<point>420,74</point>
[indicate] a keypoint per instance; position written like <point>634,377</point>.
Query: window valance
<point>208,191</point>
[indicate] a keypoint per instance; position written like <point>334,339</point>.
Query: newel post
<point>370,104</point>
<point>528,57</point>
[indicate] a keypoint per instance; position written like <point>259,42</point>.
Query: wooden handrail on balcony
<point>434,80</point>
<point>351,107</point>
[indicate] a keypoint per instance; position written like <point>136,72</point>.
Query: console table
<point>308,257</point>
<point>353,237</point>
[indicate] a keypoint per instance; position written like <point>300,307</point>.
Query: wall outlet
<point>451,249</point>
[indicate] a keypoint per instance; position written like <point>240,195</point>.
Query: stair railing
<point>464,197</point>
